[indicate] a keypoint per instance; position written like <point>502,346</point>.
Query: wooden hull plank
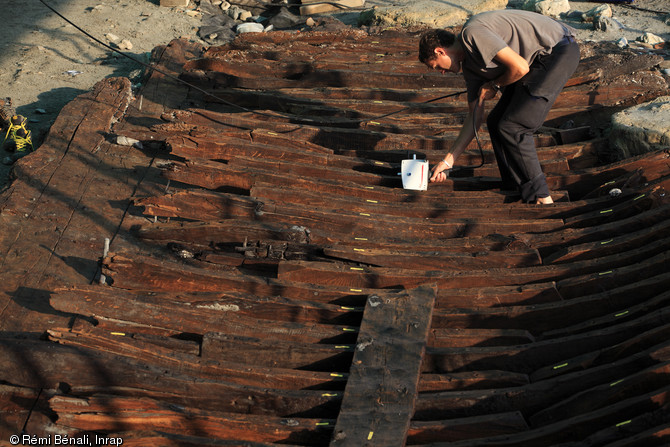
<point>94,414</point>
<point>379,397</point>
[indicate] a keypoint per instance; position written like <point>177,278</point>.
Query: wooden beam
<point>378,402</point>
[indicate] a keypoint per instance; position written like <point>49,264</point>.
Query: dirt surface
<point>46,62</point>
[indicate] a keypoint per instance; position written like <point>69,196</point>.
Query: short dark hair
<point>432,39</point>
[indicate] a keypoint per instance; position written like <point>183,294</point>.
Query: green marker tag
<point>563,365</point>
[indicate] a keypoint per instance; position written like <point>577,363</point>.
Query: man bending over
<point>527,57</point>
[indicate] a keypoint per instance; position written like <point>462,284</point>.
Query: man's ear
<point>439,51</point>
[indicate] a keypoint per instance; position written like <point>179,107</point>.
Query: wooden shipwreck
<point>268,281</point>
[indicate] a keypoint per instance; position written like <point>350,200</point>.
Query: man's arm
<point>516,68</point>
<point>465,136</point>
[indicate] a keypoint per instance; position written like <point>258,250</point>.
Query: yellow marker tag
<point>355,290</point>
<point>370,435</point>
<point>348,329</point>
<point>606,242</point>
<point>623,423</point>
<point>272,133</point>
<point>329,395</point>
<point>322,424</point>
<point>621,314</point>
<point>371,201</point>
<point>379,62</point>
<point>638,197</point>
<point>378,102</point>
<point>374,122</point>
<point>379,163</point>
<point>606,211</point>
<point>560,366</point>
<point>118,333</point>
<point>609,272</point>
<point>380,54</point>
<point>347,308</point>
<point>342,347</point>
<point>360,239</point>
<point>356,268</point>
<point>336,375</point>
<point>616,383</point>
<point>358,249</point>
<point>375,41</point>
<point>364,214</point>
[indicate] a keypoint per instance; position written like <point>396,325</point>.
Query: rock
<point>217,28</point>
<point>126,45</point>
<point>244,15</point>
<point>173,3</point>
<point>651,39</point>
<point>233,12</point>
<point>216,2</point>
<point>607,24</point>
<point>285,19</point>
<point>574,14</point>
<point>192,13</point>
<point>622,43</point>
<point>642,128</point>
<point>250,27</point>
<point>427,12</point>
<point>310,22</point>
<point>553,8</point>
<point>112,37</point>
<point>127,141</point>
<point>225,6</point>
<point>602,11</point>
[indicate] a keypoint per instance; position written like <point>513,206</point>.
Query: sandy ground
<point>45,62</point>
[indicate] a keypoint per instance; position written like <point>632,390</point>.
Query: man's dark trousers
<point>521,110</point>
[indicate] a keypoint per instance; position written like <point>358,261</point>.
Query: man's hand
<point>487,91</point>
<point>440,172</point>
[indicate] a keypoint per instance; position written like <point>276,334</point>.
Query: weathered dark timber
<point>151,414</point>
<point>587,274</point>
<point>436,209</point>
<point>202,313</point>
<point>533,356</point>
<point>92,368</point>
<point>386,364</point>
<point>642,411</point>
<point>234,316</point>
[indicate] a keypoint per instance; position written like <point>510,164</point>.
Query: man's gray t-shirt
<point>528,33</point>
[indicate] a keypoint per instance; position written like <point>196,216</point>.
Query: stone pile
<point>223,20</point>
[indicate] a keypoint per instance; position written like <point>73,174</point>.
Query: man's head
<point>439,50</point>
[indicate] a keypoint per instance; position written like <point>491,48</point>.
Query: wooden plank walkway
<point>378,401</point>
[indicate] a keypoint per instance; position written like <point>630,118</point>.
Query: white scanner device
<point>414,174</point>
